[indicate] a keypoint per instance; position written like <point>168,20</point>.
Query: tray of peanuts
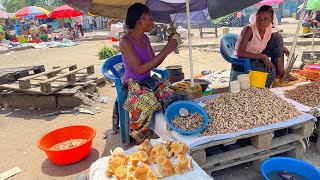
<point>151,160</point>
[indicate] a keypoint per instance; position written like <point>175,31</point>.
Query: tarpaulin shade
<point>219,8</point>
<point>32,12</point>
<point>196,17</point>
<point>161,9</point>
<point>65,11</point>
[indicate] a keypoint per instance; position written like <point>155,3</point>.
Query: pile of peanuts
<point>233,112</point>
<point>190,122</point>
<point>308,94</point>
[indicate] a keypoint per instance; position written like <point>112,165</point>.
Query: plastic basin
<point>289,164</point>
<point>307,74</point>
<point>258,79</point>
<point>72,155</point>
<point>173,110</point>
<point>312,68</point>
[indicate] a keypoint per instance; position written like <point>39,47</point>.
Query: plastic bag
<point>183,32</point>
<point>116,28</point>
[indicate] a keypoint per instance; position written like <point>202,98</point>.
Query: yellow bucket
<point>258,79</point>
<point>2,37</point>
<point>306,29</point>
<point>294,15</point>
<point>20,39</point>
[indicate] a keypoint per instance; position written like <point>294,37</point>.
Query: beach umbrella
<point>32,12</point>
<point>65,11</point>
<point>270,2</point>
<point>4,15</point>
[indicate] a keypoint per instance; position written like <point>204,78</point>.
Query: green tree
<point>14,5</point>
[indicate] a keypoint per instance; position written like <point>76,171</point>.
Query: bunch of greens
<point>107,52</point>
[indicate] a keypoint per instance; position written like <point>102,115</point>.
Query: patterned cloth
<point>141,103</point>
<point>166,95</point>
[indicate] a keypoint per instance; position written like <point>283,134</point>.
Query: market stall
<point>226,128</point>
<point>303,96</point>
<point>28,32</point>
<point>306,98</point>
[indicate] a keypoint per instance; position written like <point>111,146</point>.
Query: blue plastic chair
<point>113,70</point>
<point>227,46</point>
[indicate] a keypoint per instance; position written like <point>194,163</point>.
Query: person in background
<point>110,22</point>
<point>79,21</point>
<point>94,23</point>
<point>1,28</point>
<point>45,29</point>
<point>136,51</point>
<point>238,15</point>
<point>67,21</point>
<point>258,43</point>
<point>307,21</point>
<point>317,19</point>
<point>242,17</point>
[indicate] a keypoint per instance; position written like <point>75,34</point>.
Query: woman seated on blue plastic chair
<point>258,43</point>
<point>137,54</point>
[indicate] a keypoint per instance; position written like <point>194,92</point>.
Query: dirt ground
<point>22,128</point>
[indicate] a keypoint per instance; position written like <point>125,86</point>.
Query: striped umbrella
<point>32,12</point>
<point>4,15</point>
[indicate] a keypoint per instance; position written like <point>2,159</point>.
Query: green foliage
<point>13,6</point>
<point>106,52</point>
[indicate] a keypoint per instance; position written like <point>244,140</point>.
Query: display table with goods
<point>304,96</point>
<point>155,159</point>
<point>247,126</point>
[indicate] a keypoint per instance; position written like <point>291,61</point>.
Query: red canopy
<point>64,11</point>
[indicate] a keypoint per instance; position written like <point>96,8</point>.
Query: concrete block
<point>27,101</point>
<point>89,89</point>
<point>68,101</point>
<point>154,39</point>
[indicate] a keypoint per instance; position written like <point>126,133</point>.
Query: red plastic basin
<point>72,155</point>
<point>312,68</point>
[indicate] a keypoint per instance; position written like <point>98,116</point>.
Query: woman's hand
<point>286,51</point>
<point>268,63</point>
<point>170,46</point>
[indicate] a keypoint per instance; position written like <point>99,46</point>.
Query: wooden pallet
<point>252,147</point>
<point>8,75</point>
<point>50,81</point>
